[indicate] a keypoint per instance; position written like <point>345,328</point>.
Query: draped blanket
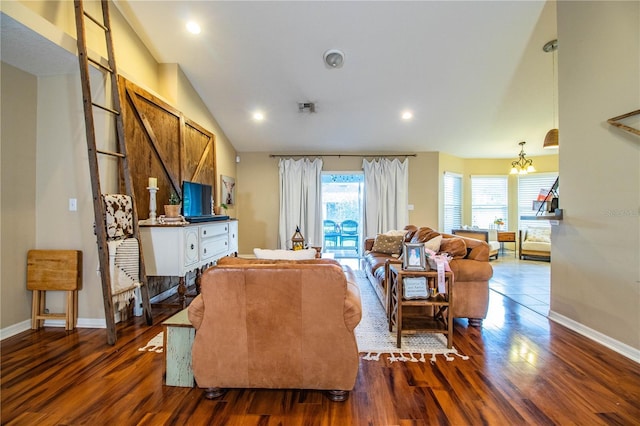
<point>124,258</point>
<point>124,254</point>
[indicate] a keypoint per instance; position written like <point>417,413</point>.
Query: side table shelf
<point>439,321</point>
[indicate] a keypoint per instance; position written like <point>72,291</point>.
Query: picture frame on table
<point>414,258</point>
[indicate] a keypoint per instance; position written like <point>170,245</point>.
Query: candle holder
<point>152,203</point>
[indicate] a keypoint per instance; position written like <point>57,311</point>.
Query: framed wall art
<point>228,190</point>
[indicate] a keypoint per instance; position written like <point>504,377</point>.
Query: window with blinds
<point>452,201</point>
<point>529,187</point>
<point>489,200</point>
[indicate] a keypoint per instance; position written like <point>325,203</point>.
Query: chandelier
<point>522,165</point>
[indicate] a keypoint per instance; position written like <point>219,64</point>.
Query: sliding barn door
<point>162,143</point>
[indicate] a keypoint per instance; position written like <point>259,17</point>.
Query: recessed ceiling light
<point>407,115</point>
<point>258,116</point>
<point>193,27</point>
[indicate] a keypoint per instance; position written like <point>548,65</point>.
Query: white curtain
<point>300,201</point>
<point>386,195</point>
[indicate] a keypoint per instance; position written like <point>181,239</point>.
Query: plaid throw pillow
<point>388,244</point>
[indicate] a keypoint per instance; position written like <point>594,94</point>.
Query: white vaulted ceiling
<point>473,73</point>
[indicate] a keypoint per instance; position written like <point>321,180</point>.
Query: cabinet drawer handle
<point>205,251</point>
<point>192,247</point>
<point>204,232</point>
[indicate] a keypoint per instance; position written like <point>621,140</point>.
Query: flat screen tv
<point>196,199</point>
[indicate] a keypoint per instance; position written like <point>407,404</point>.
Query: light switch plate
<point>73,204</point>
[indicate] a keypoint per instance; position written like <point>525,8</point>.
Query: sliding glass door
<point>342,196</point>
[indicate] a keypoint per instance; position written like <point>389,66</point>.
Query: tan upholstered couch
<point>471,269</point>
<point>276,324</point>
<point>490,236</point>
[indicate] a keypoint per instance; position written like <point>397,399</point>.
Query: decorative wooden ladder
<point>111,78</point>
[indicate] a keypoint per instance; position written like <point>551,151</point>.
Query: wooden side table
<point>507,237</point>
<point>442,319</point>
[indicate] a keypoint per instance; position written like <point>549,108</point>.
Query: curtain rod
<point>342,155</point>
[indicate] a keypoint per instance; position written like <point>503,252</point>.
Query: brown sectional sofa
<point>471,270</point>
<point>276,324</point>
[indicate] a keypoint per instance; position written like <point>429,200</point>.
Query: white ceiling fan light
<point>333,58</point>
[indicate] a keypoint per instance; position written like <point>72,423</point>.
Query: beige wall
<point>259,194</point>
<point>48,153</point>
<point>17,189</point>
<point>595,269</point>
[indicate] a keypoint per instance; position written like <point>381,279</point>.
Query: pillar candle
<point>153,182</point>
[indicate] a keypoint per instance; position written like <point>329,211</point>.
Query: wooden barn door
<point>163,144</point>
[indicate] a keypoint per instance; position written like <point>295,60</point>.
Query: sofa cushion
<point>423,235</point>
<point>434,243</point>
<point>454,247</point>
<point>389,244</point>
<point>376,261</point>
<point>411,231</point>
<point>285,254</point>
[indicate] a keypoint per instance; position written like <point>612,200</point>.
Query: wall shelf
<point>557,215</point>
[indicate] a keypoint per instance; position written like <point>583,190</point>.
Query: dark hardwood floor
<point>522,370</point>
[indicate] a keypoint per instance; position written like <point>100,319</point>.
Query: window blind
<point>489,200</point>
<point>452,201</point>
<point>529,187</point>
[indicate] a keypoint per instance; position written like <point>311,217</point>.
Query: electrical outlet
<point>73,204</point>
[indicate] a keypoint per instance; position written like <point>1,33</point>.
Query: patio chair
<point>349,232</point>
<point>331,233</point>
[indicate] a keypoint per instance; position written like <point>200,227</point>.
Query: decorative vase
<point>172,210</point>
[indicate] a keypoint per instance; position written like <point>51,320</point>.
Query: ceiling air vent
<point>306,107</point>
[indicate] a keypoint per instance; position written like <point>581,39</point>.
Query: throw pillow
<point>454,247</point>
<point>388,244</point>
<point>285,254</point>
<point>434,244</point>
<point>538,235</point>
<point>396,233</point>
<point>423,235</point>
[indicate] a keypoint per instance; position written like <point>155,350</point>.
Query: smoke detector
<point>333,58</point>
<point>306,107</point>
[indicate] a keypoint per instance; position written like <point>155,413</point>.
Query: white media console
<point>177,249</point>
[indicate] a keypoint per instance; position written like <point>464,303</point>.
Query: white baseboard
<point>615,345</point>
<point>25,325</point>
<point>14,329</point>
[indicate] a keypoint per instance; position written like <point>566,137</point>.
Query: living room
<point>596,242</point>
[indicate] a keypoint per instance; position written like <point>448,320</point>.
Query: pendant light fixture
<point>522,165</point>
<point>551,139</point>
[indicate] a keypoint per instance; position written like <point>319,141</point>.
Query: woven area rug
<point>154,345</point>
<point>374,338</point>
